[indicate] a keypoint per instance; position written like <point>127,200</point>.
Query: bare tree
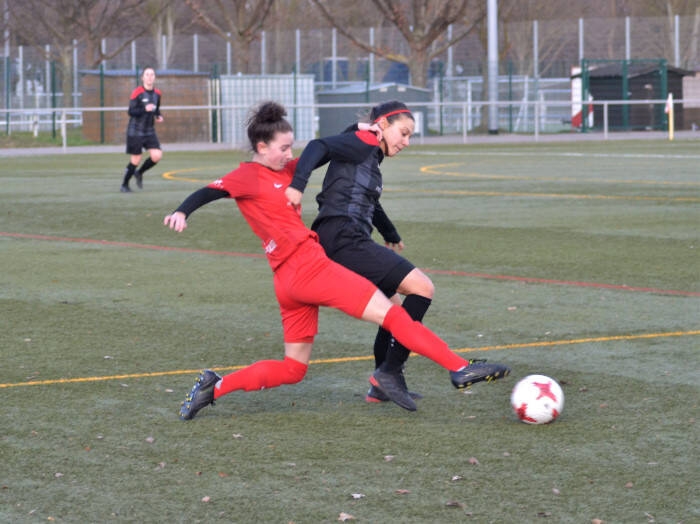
<point>690,9</point>
<point>236,21</point>
<point>163,14</point>
<point>422,23</point>
<point>516,25</point>
<point>63,24</point>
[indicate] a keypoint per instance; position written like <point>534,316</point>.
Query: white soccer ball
<point>537,399</point>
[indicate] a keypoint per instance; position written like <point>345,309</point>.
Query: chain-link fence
<point>540,54</point>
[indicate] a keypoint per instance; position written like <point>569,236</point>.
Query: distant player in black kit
<point>144,112</point>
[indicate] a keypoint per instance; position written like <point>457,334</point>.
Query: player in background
<point>304,277</point>
<point>144,112</point>
<point>349,209</point>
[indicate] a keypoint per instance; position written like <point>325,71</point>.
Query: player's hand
<point>374,128</point>
<point>177,221</point>
<point>396,247</point>
<point>159,119</point>
<point>150,107</point>
<point>293,197</point>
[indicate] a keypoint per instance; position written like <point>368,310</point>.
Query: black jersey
<point>353,182</point>
<point>142,122</point>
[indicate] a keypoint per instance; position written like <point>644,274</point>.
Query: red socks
<point>273,373</point>
<point>416,337</point>
<point>262,374</point>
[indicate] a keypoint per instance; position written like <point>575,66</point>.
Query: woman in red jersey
<point>304,277</point>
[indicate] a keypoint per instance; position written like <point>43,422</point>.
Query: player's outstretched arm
<point>178,219</point>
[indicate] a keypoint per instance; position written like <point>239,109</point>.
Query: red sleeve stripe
<point>136,92</point>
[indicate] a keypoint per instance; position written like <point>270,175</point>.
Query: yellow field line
<point>437,169</point>
<point>612,338</point>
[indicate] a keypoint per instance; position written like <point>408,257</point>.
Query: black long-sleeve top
<point>142,122</point>
<point>353,182</point>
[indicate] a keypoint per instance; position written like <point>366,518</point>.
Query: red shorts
<point>309,279</point>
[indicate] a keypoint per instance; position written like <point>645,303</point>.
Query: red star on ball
<point>545,390</point>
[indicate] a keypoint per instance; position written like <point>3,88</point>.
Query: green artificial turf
<point>580,261</point>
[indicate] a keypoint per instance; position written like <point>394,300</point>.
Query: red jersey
<point>259,193</point>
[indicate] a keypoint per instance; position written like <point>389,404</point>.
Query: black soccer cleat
<point>138,175</point>
<point>393,386</point>
<point>201,395</point>
<point>125,189</point>
<point>375,395</point>
<point>478,371</point>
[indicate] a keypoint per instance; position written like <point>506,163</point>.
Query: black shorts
<point>136,144</point>
<point>347,244</point>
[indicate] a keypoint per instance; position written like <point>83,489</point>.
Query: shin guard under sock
<point>262,374</point>
<point>128,173</point>
<point>381,346</point>
<point>416,307</point>
<point>147,164</point>
<point>418,338</point>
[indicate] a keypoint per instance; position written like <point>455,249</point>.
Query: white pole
<point>450,53</point>
<point>464,123</point>
<point>334,57</point>
<point>263,53</point>
<point>47,78</point>
<point>133,55</point>
<point>676,40</point>
<point>297,51</point>
<point>371,56</point>
<point>492,27</point>
<point>228,53</point>
<point>535,50</point>
<point>605,120</point>
<point>195,52</point>
<point>580,40</point>
<point>64,138</point>
<point>20,74</point>
<point>75,73</point>
<point>536,59</point>
<point>628,44</point>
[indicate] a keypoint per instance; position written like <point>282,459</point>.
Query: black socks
<point>388,353</point>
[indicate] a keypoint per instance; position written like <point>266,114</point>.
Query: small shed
<point>112,88</point>
<point>333,120</point>
<point>634,80</point>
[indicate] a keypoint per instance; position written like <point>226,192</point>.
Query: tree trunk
<point>418,68</point>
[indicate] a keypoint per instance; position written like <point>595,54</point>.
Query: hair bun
<point>270,112</point>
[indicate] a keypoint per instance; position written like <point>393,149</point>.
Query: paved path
<point>442,140</point>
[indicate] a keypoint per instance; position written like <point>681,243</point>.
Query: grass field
<point>578,261</point>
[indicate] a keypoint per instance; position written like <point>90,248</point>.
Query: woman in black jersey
<point>144,112</point>
<point>349,208</point>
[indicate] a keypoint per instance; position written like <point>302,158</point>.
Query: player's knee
<point>428,288</point>
<point>418,283</point>
<point>156,155</point>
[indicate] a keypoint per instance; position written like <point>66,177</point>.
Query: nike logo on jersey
<point>277,186</point>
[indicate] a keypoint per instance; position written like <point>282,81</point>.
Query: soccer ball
<point>537,399</point>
